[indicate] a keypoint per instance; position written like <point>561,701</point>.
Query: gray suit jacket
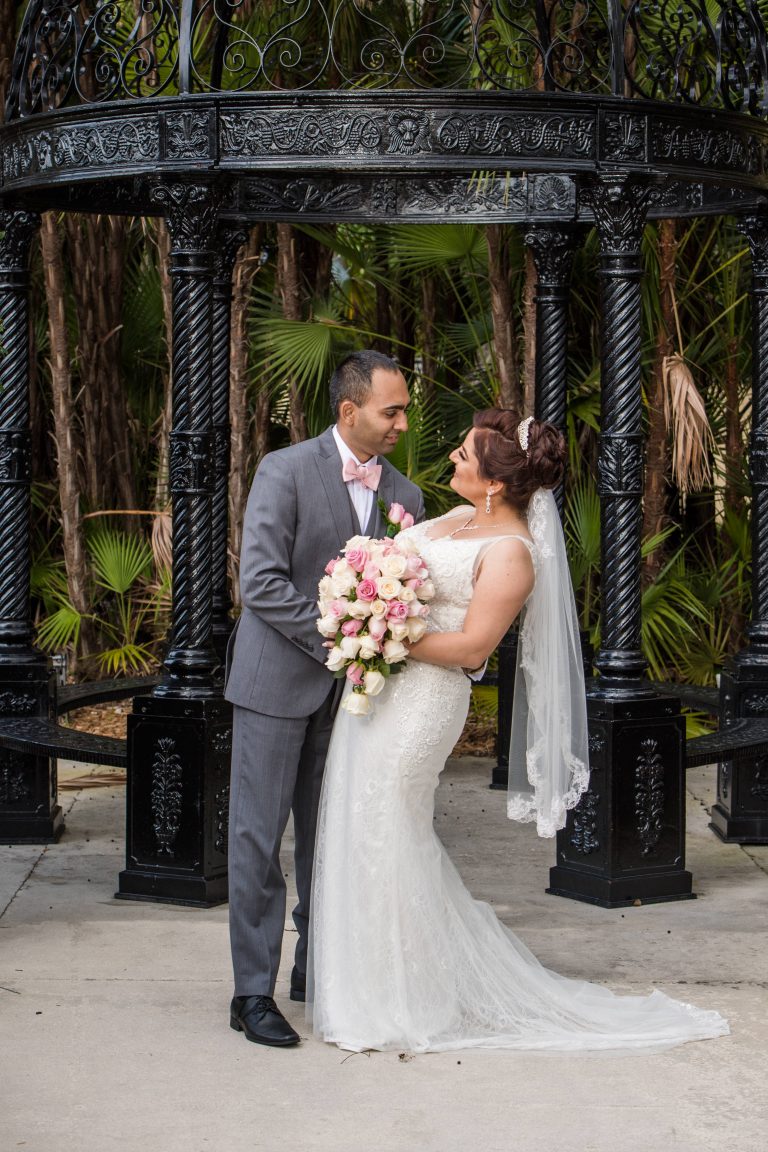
<point>299,516</point>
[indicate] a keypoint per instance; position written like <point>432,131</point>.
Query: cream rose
<point>357,703</point>
<point>359,609</point>
<point>393,565</point>
<point>374,682</point>
<point>427,590</point>
<point>416,628</point>
<point>407,595</point>
<point>328,626</point>
<point>369,647</point>
<point>398,630</point>
<point>378,608</point>
<point>350,646</point>
<point>336,659</point>
<point>393,651</point>
<point>388,587</point>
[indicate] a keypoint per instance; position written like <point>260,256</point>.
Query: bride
<point>401,955</point>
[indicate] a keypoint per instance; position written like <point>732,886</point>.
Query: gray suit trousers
<point>277,765</point>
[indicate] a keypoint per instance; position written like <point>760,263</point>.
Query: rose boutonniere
<point>395,517</point>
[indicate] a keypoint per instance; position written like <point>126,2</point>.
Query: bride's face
<point>466,479</point>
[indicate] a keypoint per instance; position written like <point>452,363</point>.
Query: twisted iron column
<point>619,207</point>
<point>552,247</point>
<point>192,214</point>
<point>624,843</point>
<point>16,635</point>
<point>180,737</point>
<point>740,813</point>
<point>230,238</point>
<point>29,812</point>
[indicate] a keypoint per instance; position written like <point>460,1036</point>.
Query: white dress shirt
<point>361,497</point>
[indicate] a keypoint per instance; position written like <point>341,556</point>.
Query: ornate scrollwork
<point>620,466</point>
<point>165,796</point>
<point>619,206</point>
<point>552,252</point>
<point>14,782</point>
<point>709,52</point>
<point>192,212</point>
<point>18,229</point>
<point>17,704</point>
<point>15,457</point>
<point>585,818</point>
<point>759,787</point>
<point>649,795</point>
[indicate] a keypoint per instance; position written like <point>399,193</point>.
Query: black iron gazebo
<point>549,115</point>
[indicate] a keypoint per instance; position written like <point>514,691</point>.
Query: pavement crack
<point>32,868</point>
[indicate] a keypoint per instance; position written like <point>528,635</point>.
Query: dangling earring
<point>487,503</point>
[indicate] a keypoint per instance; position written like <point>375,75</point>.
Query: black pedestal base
<point>29,811</point>
<point>178,801</point>
<point>740,813</point>
<point>625,841</point>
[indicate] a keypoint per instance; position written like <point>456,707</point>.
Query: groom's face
<point>374,428</point>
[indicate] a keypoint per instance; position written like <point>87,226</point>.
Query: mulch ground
<point>477,739</point>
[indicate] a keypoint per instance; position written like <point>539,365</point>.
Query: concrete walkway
<point>115,1031</point>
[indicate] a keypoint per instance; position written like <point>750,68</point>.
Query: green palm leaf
<point>118,560</point>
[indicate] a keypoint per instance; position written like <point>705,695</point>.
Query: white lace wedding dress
<point>401,955</point>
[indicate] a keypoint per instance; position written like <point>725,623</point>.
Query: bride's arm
<point>502,587</point>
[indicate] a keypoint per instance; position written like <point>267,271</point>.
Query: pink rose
<point>397,610</point>
<point>377,628</point>
<point>395,514</point>
<point>357,558</point>
<point>414,584</point>
<point>407,521</point>
<point>367,590</point>
<point>338,608</point>
<point>355,673</point>
<point>351,627</point>
<point>371,571</point>
<point>329,566</point>
<point>415,608</point>
<point>413,566</point>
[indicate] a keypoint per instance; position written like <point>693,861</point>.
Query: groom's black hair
<point>354,375</point>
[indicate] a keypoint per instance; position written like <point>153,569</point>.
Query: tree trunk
<point>7,44</point>
<point>502,317</point>
<point>65,431</point>
<point>246,267</point>
<point>163,437</point>
<point>657,447</point>
<point>529,333</point>
<point>734,451</point>
<point>289,284</point>
<point>96,252</point>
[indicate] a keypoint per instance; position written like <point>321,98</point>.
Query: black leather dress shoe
<point>298,985</point>
<point>262,1021</point>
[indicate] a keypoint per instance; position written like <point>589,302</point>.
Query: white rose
<point>359,609</point>
<point>398,630</point>
<point>374,682</point>
<point>350,646</point>
<point>324,588</point>
<point>427,590</point>
<point>407,595</point>
<point>388,587</point>
<point>394,651</point>
<point>356,542</point>
<point>343,579</point>
<point>357,703</point>
<point>328,626</point>
<point>368,648</point>
<point>336,659</point>
<point>407,544</point>
<point>378,608</point>
<point>416,628</point>
<point>393,565</point>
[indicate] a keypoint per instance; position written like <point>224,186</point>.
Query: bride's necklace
<point>468,526</point>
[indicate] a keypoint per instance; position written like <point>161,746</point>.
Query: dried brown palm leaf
<point>686,414</point>
<point>162,540</point>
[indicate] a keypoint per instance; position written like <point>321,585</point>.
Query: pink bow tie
<point>367,474</point>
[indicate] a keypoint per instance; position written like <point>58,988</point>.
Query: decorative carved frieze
<point>15,457</point>
<point>683,145</point>
<point>18,229</point>
<point>17,704</point>
<point>584,833</point>
<point>649,795</point>
<point>127,141</point>
<point>191,463</point>
<point>14,786</point>
<point>620,466</point>
<point>189,135</point>
<point>624,137</point>
<point>166,795</point>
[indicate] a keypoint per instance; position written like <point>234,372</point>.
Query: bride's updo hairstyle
<point>501,456</point>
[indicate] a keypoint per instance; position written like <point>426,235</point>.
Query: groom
<point>305,503</point>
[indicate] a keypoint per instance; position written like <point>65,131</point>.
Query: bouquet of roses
<point>372,598</point>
